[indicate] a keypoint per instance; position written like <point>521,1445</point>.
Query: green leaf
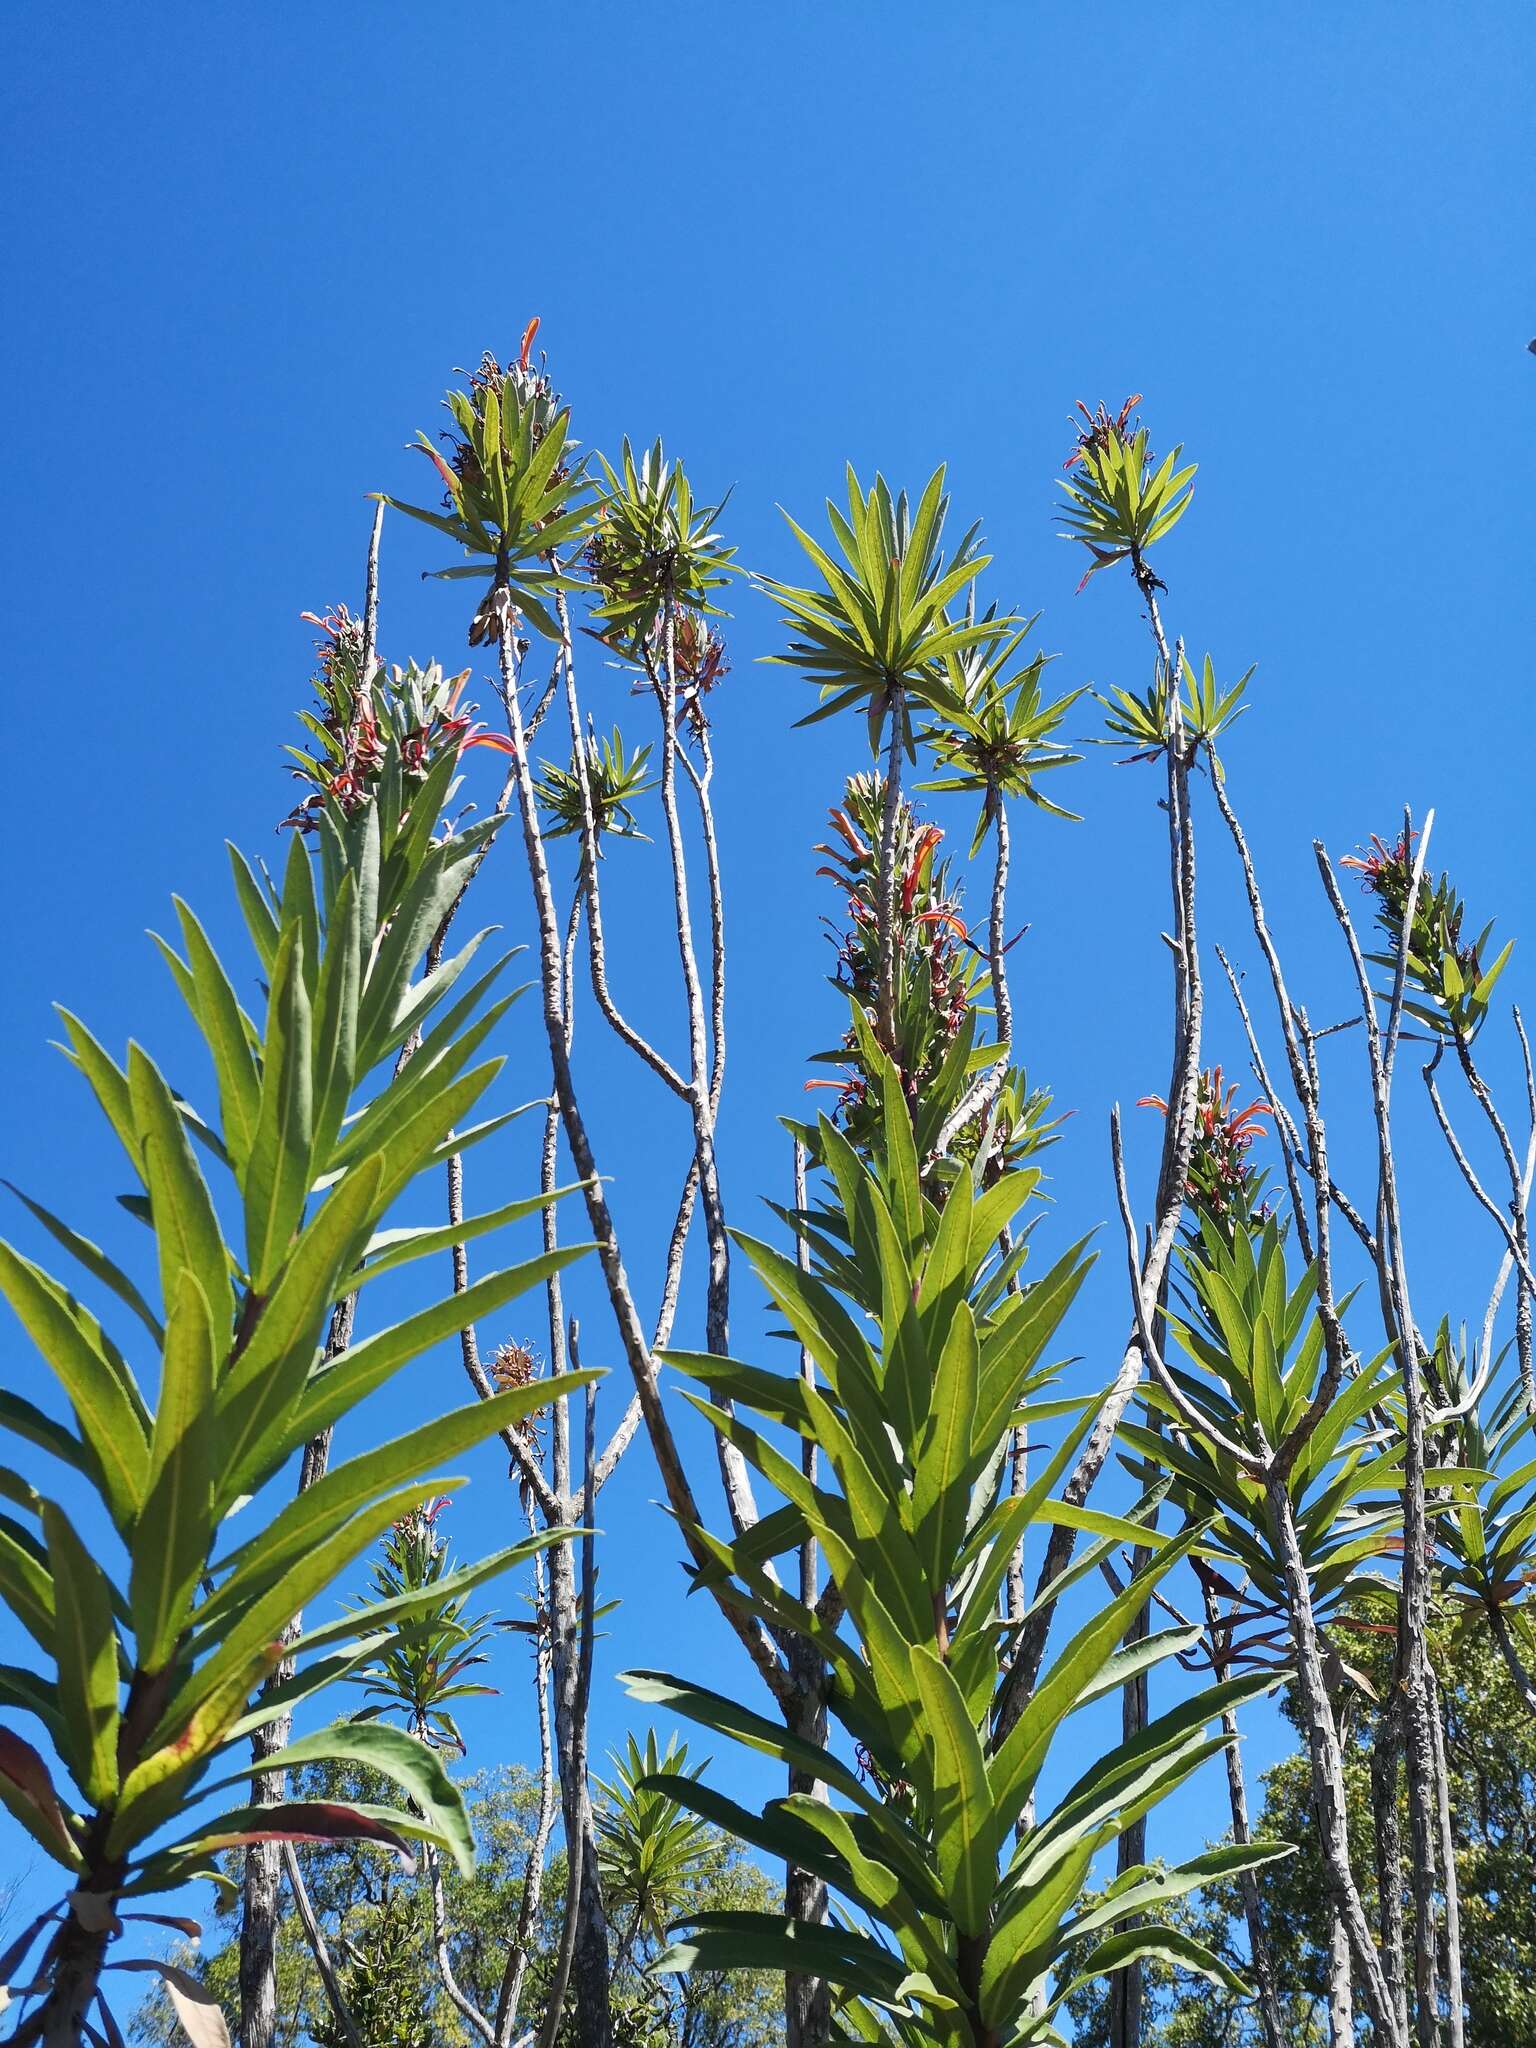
<point>942,1474</point>
<point>762,1941</point>
<point>108,1418</point>
<point>279,1170</point>
<point>94,1260</point>
<point>225,1027</point>
<point>312,1516</point>
<point>88,1652</point>
<point>396,1755</point>
<point>965,1833</point>
<point>187,1234</point>
<point>264,1381</point>
<point>171,1541</point>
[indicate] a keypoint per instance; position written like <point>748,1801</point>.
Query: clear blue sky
<point>245,248</point>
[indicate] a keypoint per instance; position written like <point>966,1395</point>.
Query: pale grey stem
<point>1525,1684</point>
<point>314,1934</point>
<point>1327,1769</point>
<point>1386,1770</point>
<point>734,1472</point>
<point>1413,1605</point>
<point>632,1336</point>
<point>580,1877</point>
<point>1454,1998</point>
<point>1178,1141</point>
<point>591,856</point>
<point>978,1099</point>
<point>1261,1962</point>
<point>540,710</point>
<point>510,1997</point>
<point>1341,1995</point>
<point>1518,1254</point>
<point>460,2000</point>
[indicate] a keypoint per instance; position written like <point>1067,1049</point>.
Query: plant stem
<point>885,901</point>
<point>1327,1765</point>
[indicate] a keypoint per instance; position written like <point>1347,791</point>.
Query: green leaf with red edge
<point>307,1820</point>
<point>27,1791</point>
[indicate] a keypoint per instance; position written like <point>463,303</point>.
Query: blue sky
<point>247,247</point>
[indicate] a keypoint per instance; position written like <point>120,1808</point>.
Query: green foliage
<point>993,730</point>
<point>651,552</point>
<point>974,1931</point>
<point>614,782</point>
<point>648,1845</point>
<point>1255,1343</point>
<point>1119,504</point>
<point>1145,723</point>
<point>405,717</point>
<point>512,495</point>
<point>1491,1755</point>
<point>377,1923</point>
<point>879,621</point>
<point>1449,987</point>
<point>423,1666</point>
<point>1487,1533</point>
<point>151,1631</point>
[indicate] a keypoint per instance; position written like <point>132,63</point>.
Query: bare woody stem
<point>509,1998</point>
<point>1178,1143</point>
<point>1327,1768</point>
<point>631,1333</point>
<point>1248,1884</point>
<point>1413,1606</point>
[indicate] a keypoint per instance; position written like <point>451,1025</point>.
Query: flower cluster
<point>936,962</point>
<point>1449,985</point>
<point>1097,431</point>
<point>1221,1183</point>
<point>520,383</point>
<point>412,715</point>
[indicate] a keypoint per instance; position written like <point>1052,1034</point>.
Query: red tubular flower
<point>1372,862</point>
<point>928,839</point>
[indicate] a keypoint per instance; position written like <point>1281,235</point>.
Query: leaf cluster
<point>963,1919</point>
<point>151,1630</point>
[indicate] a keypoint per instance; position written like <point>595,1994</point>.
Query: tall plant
<point>155,1619</point>
<point>969,1928</point>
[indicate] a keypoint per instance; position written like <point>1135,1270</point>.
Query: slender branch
<point>1248,1885</point>
<point>462,2003</point>
<point>313,1933</point>
<point>1290,1143</point>
<point>1498,1623</point>
<point>1327,1766</point>
<point>575,1847</point>
<point>1454,1999</point>
<point>1413,1607</point>
<point>510,1995</point>
<point>1178,1143</point>
<point>632,1336</point>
